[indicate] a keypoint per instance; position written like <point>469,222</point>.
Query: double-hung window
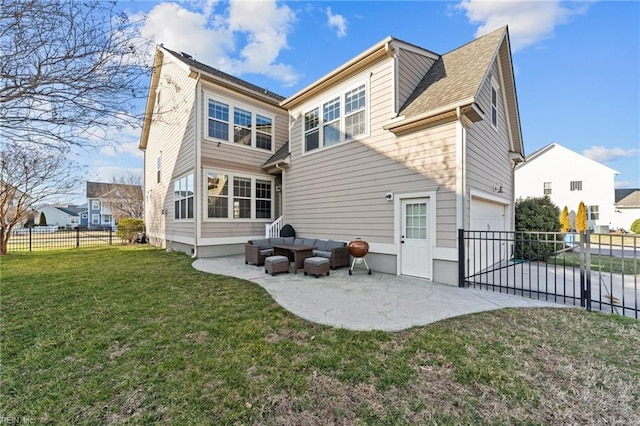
<point>232,196</point>
<point>337,119</point>
<point>312,130</point>
<point>183,197</point>
<point>547,188</point>
<point>575,185</point>
<point>593,212</point>
<point>354,112</point>
<point>250,128</point>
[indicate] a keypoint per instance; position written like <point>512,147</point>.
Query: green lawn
<point>136,335</point>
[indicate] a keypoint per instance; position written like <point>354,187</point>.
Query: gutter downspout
<point>197,172</point>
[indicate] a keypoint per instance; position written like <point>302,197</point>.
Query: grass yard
<point>617,265</point>
<point>136,335</point>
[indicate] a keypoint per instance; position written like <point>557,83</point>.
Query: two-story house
<point>107,202</point>
<point>400,146</point>
<point>569,178</point>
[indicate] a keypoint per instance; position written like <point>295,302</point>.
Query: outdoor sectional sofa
<point>256,251</point>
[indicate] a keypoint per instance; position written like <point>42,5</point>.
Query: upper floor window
<point>575,185</point>
<point>336,120</point>
<point>183,197</point>
<point>95,205</point>
<point>494,106</point>
<point>547,188</point>
<point>249,127</point>
<point>238,197</point>
<point>158,167</point>
<point>593,212</point>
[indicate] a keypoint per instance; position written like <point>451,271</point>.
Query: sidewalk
<point>366,302</point>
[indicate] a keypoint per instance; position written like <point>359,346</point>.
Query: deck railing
<point>273,230</point>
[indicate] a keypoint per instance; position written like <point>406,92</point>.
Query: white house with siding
<point>627,207</point>
<point>569,178</point>
<point>400,146</point>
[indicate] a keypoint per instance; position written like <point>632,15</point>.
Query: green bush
<point>535,216</point>
<point>128,228</point>
<point>635,226</point>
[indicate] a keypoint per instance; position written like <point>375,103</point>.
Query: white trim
<point>476,193</point>
<point>445,253</point>
<point>319,102</point>
<point>414,49</point>
<point>230,175</point>
<point>460,169</point>
<point>231,104</point>
<point>397,222</point>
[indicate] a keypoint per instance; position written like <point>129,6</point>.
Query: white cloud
<point>213,38</point>
<point>529,21</point>
<point>603,154</point>
<point>339,22</point>
<point>624,184</point>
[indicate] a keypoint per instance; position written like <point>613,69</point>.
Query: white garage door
<point>488,249</point>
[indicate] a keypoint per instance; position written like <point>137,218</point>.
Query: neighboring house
<point>399,146</point>
<point>569,178</point>
<point>627,207</point>
<point>59,215</point>
<point>108,202</point>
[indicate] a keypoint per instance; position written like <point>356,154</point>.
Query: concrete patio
<point>366,302</point>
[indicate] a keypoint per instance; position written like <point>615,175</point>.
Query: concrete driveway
<point>366,302</point>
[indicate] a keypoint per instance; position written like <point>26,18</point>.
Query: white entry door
<point>415,247</point>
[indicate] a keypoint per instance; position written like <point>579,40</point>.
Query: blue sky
<point>577,63</point>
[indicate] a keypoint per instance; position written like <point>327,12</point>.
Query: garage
<point>486,215</point>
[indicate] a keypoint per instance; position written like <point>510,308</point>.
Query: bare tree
<point>30,174</point>
<point>71,72</point>
<point>127,199</point>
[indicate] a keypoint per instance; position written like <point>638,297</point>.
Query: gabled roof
<point>106,190</point>
<point>629,197</point>
<point>67,210</point>
<point>554,145</point>
<point>279,156</point>
<point>188,59</point>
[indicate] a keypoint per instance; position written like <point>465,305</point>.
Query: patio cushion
<point>276,240</point>
<point>263,244</point>
<point>334,244</point>
<point>315,261</point>
<point>289,240</point>
<point>298,241</point>
<point>322,253</point>
<point>322,245</point>
<point>266,252</point>
<point>309,242</point>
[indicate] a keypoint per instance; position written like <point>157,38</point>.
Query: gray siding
<point>230,157</point>
<point>487,149</point>
<point>412,67</point>
<point>339,192</point>
<point>172,132</point>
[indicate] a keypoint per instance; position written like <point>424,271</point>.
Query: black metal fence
<point>595,271</point>
<point>51,238</point>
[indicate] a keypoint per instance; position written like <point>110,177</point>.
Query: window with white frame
<point>593,212</point>
<point>575,185</point>
<point>231,196</point>
<point>250,128</point>
<point>337,119</point>
<point>547,188</point>
<point>107,218</point>
<point>95,218</point>
<point>158,167</point>
<point>183,197</point>
<point>494,106</point>
<point>95,205</point>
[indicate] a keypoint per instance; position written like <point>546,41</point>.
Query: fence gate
<point>595,271</point>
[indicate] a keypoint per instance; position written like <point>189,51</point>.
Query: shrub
<point>536,216</point>
<point>635,226</point>
<point>581,218</point>
<point>128,228</point>
<point>565,222</point>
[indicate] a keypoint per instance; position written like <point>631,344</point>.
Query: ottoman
<point>276,264</point>
<point>316,266</point>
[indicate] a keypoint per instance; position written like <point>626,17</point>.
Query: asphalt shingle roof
<point>224,76</point>
<point>455,76</point>
<point>279,155</point>
<point>628,197</point>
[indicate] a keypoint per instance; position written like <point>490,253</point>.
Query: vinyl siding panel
<point>339,192</point>
<point>228,157</point>
<point>487,149</point>
<point>171,136</point>
<point>412,67</point>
